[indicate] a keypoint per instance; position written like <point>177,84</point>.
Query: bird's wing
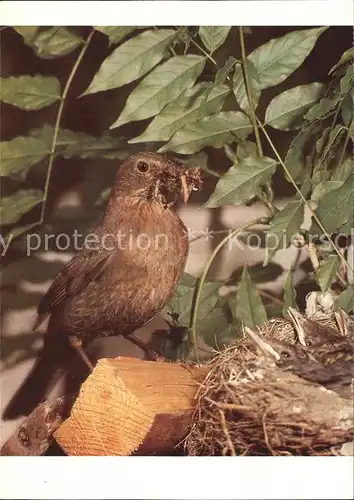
<point>75,276</point>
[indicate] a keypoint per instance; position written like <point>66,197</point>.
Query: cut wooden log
<point>129,405</point>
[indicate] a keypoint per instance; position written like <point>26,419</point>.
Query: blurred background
<point>79,185</point>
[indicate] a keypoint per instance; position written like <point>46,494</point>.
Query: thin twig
<point>266,438</point>
<point>199,47</point>
<point>55,135</point>
<point>200,284</point>
<point>344,149</point>
<point>246,78</point>
<point>227,434</point>
<point>266,197</point>
<point>313,213</point>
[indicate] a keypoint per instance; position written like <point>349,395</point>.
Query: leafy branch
<point>174,105</point>
<point>308,205</point>
<point>202,279</point>
<point>58,120</point>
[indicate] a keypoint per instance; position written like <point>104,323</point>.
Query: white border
<point>233,12</point>
<point>176,477</point>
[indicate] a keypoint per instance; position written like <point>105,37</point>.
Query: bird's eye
<point>142,166</point>
<point>195,188</point>
<point>285,354</point>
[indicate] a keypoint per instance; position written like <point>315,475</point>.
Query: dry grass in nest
<point>247,405</point>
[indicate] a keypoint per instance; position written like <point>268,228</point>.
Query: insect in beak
<point>186,189</point>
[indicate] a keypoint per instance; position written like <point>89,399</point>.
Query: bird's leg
<point>77,344</point>
<point>150,352</point>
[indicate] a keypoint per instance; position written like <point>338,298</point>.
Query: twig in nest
<point>266,433</point>
<point>227,434</point>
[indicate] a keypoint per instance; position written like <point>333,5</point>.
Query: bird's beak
<point>261,344</point>
<point>298,320</point>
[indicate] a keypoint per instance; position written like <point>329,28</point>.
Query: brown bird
<point>123,276</point>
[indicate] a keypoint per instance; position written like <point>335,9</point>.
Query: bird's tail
<point>56,357</point>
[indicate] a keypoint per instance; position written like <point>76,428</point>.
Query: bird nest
<point>248,405</point>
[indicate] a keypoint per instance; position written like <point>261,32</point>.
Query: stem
<point>200,284</point>
<point>344,149</point>
<point>266,196</point>
<point>199,47</point>
<point>58,120</point>
<point>249,93</point>
<point>55,134</point>
<point>313,213</point>
<point>267,199</point>
<point>336,114</point>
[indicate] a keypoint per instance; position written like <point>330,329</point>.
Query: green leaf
<point>324,187</point>
<point>30,92</point>
<point>217,328</point>
<point>327,271</point>
<point>322,141</point>
<point>289,299</point>
<point>343,170</point>
<point>161,86</point>
<point>323,108</point>
<point>249,307</point>
<point>182,302</point>
<point>213,36</point>
<point>280,57</point>
<point>28,33</point>
<point>246,149</point>
<point>285,225</point>
<point>19,154</point>
<point>346,56</point>
<point>131,60</point>
<point>332,138</point>
<point>13,207</point>
<point>346,82</point>
<point>223,72</point>
<point>295,157</point>
<point>214,130</point>
<point>346,299</point>
<point>240,88</point>
<point>116,33</point>
<point>53,42</point>
<point>347,110</point>
<point>335,208</point>
<point>286,111</point>
<point>326,106</point>
<point>192,105</point>
<point>212,321</point>
<point>241,182</point>
<point>71,143</point>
